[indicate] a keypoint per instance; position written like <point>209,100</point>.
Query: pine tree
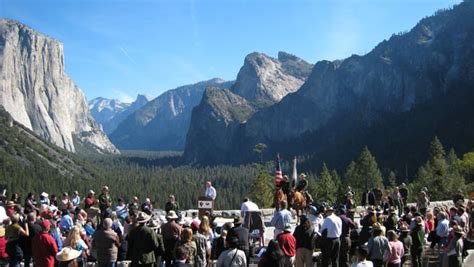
<point>440,174</point>
<point>327,186</point>
<point>262,189</point>
<point>363,174</point>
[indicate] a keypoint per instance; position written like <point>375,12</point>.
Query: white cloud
<point>122,96</point>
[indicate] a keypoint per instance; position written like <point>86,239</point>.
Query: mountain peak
<point>265,80</point>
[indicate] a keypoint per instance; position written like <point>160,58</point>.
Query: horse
<point>299,204</point>
<point>278,197</point>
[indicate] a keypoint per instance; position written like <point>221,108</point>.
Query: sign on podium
<point>205,204</point>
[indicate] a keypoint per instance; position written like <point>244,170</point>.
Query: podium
<point>205,204</point>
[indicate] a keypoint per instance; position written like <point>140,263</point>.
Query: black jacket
<point>242,234</point>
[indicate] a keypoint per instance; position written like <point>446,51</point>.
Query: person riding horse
<point>302,185</point>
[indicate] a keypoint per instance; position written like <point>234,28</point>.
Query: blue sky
<point>118,49</point>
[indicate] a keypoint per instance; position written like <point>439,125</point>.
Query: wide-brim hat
<point>44,194</point>
<point>302,175</point>
<point>91,192</point>
<point>67,254</point>
<point>10,203</point>
<point>153,224</point>
<point>106,188</point>
<point>171,215</point>
<point>143,217</point>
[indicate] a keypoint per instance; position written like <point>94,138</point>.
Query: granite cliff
<point>37,92</point>
<point>261,82</point>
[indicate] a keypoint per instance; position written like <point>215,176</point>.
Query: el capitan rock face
<point>407,89</point>
<point>261,82</point>
<point>37,92</point>
<point>162,123</point>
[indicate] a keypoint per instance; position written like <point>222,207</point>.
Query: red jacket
<point>287,243</point>
<point>3,245</point>
<point>45,250</point>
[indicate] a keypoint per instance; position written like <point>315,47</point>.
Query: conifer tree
<point>327,186</point>
<point>440,174</point>
<point>363,174</point>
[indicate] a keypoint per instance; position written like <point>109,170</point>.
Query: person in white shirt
<point>75,199</point>
<point>247,205</point>
<point>210,191</point>
<point>330,231</point>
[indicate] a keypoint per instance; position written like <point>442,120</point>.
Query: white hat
<point>44,194</point>
<point>171,215</point>
<point>67,254</point>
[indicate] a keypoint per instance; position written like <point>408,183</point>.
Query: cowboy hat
<point>171,215</point>
<point>10,203</point>
<point>153,224</point>
<point>91,192</point>
<point>67,254</point>
<point>302,175</point>
<point>44,194</point>
<point>143,217</point>
<point>106,188</point>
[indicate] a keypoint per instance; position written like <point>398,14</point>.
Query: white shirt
<point>333,224</point>
<point>248,206</point>
<point>211,192</point>
<point>363,264</point>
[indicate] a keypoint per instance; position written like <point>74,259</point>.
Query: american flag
<point>278,173</point>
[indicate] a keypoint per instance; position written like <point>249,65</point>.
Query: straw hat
<point>67,254</point>
<point>143,217</point>
<point>171,215</point>
<point>10,204</point>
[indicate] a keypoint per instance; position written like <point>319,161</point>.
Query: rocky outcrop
<point>216,122</point>
<point>111,112</point>
<point>162,124</point>
<point>37,92</point>
<point>265,80</point>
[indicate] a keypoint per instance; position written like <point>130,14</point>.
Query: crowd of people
<point>72,231</point>
<point>389,233</point>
